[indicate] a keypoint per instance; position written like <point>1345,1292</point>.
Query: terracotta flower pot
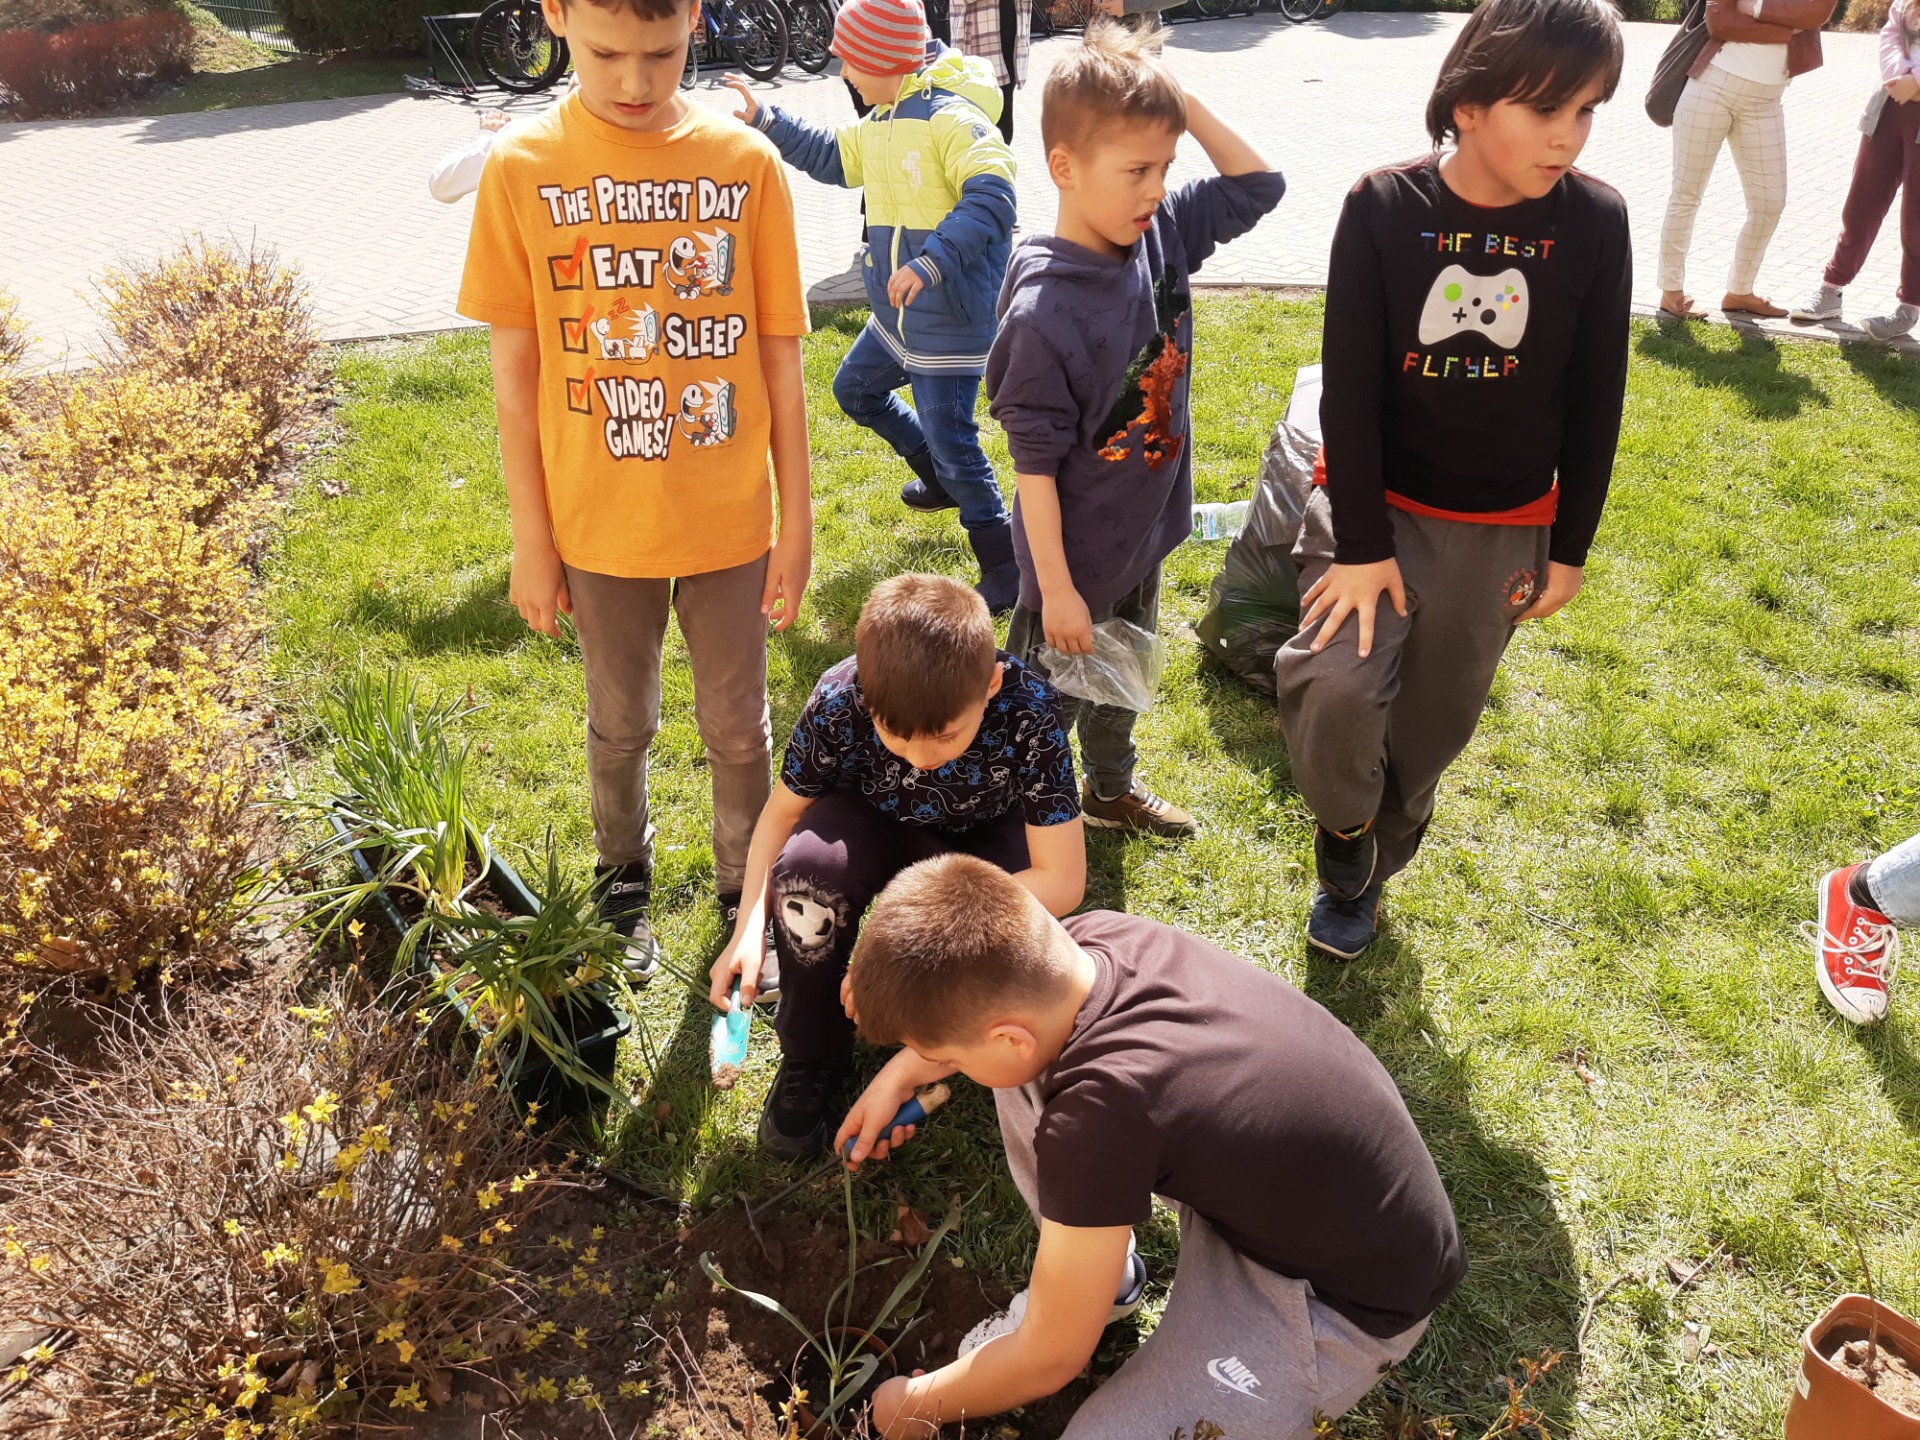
<point>1829,1404</point>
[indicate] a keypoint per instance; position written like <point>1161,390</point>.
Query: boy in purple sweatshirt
<point>1089,372</point>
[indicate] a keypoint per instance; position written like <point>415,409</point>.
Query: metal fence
<point>259,23</point>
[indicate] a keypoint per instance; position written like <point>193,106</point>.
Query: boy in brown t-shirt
<point>1130,1060</point>
<point>636,258</point>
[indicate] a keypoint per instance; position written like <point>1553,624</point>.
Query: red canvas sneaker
<point>1854,950</point>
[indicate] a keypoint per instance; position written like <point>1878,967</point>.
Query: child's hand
<point>1067,623</point>
<point>749,107</point>
<point>1563,583</point>
<point>906,283</point>
<point>494,119</point>
<point>892,1414</point>
<point>789,568</point>
<point>878,1104</point>
<point>1115,8</point>
<point>1904,89</point>
<point>1352,590</point>
<point>537,587</point>
<point>744,956</point>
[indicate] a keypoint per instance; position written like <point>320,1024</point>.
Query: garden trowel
<point>727,1046</point>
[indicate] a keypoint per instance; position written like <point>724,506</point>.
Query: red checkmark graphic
<point>580,393</point>
<point>573,333</point>
<point>566,271</point>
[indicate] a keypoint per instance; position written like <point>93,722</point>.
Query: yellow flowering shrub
<point>129,508</point>
<point>237,320</point>
<point>283,1184</point>
<point>13,353</point>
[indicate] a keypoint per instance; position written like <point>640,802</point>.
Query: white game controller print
<point>1495,305</point>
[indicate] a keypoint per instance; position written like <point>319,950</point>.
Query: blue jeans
<point>1894,881</point>
<point>944,425</point>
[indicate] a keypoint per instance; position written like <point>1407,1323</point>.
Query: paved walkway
<point>339,185</point>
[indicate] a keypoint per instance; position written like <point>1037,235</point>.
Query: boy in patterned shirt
<point>636,259</point>
<point>926,741</point>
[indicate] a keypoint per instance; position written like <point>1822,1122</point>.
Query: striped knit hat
<point>881,37</point>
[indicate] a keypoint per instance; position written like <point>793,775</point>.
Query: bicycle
<point>512,44</point>
<point>751,34</point>
<point>809,33</point>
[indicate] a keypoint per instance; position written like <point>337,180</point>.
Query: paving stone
<point>340,185</point>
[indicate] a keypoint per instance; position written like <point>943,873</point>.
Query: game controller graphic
<point>1495,305</point>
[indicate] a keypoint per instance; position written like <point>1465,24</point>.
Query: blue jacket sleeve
<point>982,216</point>
<point>1208,213</point>
<point>829,155</point>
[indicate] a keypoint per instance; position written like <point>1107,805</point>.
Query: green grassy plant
<point>844,1348</point>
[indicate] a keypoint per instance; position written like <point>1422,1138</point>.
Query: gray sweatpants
<point>1370,738</point>
<point>622,624</point>
<point>1241,1353</point>
<point>1894,882</point>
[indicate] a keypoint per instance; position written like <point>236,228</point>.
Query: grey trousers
<point>1371,738</point>
<point>1241,1353</point>
<point>1107,756</point>
<point>622,625</point>
<point>1894,882</point>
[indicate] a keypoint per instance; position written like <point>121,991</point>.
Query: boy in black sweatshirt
<point>1475,368</point>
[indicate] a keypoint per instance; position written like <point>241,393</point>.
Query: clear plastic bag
<point>1123,670</point>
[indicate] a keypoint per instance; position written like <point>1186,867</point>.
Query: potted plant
<point>535,977</point>
<point>544,992</point>
<point>399,811</point>
<point>839,1364</point>
<point>1859,1375</point>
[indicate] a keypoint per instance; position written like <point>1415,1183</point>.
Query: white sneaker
<point>1891,326</point>
<point>1133,1289</point>
<point>1822,304</point>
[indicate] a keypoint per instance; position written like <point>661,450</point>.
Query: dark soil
<point>1897,1377</point>
<point>712,1360</point>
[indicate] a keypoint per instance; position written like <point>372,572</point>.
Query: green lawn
<point>1613,884</point>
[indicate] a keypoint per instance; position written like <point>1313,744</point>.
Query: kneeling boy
<point>927,740</point>
<point>1129,1060</point>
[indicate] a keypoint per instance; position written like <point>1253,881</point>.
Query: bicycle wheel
<point>1042,19</point>
<point>512,44</point>
<point>755,37</point>
<point>690,73</point>
<point>1300,11</point>
<point>809,32</point>
<point>1211,9</point>
<point>1330,8</point>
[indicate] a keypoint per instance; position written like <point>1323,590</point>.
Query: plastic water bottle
<point>1219,522</point>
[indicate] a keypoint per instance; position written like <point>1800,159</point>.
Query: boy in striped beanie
<point>939,190</point>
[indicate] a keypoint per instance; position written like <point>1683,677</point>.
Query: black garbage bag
<point>1255,604</point>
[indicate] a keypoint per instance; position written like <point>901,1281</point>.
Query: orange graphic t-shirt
<point>650,264</point>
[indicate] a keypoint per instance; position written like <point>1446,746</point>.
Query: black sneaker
<point>1346,863</point>
<point>1344,928</point>
<point>624,894</point>
<point>729,907</point>
<point>798,1116</point>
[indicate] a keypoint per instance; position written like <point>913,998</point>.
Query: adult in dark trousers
<point>1888,164</point>
<point>1000,32</point>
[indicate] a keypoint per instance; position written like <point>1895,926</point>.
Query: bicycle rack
<point>447,37</point>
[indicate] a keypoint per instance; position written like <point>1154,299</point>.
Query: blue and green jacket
<point>939,183</point>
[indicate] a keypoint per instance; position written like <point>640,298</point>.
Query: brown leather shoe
<point>1751,305</point>
<point>1139,811</point>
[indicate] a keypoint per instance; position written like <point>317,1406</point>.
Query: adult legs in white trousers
<point>1714,110</point>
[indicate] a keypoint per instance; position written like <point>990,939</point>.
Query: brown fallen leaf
<point>913,1225</point>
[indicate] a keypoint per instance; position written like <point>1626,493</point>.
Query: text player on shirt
<point>1475,367</point>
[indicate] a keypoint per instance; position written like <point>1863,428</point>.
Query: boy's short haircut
<point>949,946</point>
<point>1537,52</point>
<point>925,651</point>
<point>1114,76</point>
<point>640,9</point>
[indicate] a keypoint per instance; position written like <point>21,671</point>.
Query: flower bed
<point>72,69</point>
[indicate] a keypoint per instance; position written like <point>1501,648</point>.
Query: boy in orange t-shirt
<point>635,257</point>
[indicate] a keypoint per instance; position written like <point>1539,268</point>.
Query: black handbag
<point>1670,75</point>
